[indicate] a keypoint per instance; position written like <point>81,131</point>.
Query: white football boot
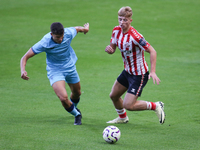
<point>119,120</point>
<point>160,111</point>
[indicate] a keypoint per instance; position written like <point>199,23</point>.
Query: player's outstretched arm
<point>153,56</point>
<point>23,62</point>
<point>84,29</point>
<point>110,49</point>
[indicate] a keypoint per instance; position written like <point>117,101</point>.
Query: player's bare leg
<point>131,103</point>
<point>75,97</point>
<point>59,88</point>
<point>75,92</point>
<point>117,91</point>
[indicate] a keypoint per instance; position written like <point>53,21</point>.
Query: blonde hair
<point>125,12</point>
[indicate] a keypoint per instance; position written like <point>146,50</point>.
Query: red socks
<point>151,105</point>
<point>121,113</point>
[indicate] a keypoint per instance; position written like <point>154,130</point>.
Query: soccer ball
<point>111,134</point>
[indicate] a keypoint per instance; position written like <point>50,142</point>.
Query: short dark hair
<point>57,28</point>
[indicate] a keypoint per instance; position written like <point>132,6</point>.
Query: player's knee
<point>79,93</point>
<point>76,94</point>
<point>63,98</point>
<point>113,97</point>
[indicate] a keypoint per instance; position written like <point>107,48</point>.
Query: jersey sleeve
<point>72,31</point>
<point>113,37</point>
<point>38,48</point>
<point>141,42</point>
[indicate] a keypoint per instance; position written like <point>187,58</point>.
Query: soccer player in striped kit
<point>135,75</point>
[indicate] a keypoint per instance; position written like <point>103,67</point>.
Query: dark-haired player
<point>60,59</point>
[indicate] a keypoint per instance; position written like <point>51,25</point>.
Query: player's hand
<point>154,77</point>
<point>86,26</point>
<point>24,75</point>
<point>109,49</point>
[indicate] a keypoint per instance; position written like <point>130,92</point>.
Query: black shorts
<point>134,83</point>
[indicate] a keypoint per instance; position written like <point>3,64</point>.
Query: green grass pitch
<point>31,115</point>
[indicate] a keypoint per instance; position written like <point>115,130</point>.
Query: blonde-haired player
<point>135,75</point>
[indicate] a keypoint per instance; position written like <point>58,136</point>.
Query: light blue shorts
<point>69,77</point>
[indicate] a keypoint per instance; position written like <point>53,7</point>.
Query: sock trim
<point>70,108</point>
<point>121,113</point>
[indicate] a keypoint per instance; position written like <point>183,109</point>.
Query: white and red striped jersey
<point>132,45</point>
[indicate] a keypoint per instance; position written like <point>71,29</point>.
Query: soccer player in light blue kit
<point>60,59</point>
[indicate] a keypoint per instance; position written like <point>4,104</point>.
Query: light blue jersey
<point>58,56</point>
